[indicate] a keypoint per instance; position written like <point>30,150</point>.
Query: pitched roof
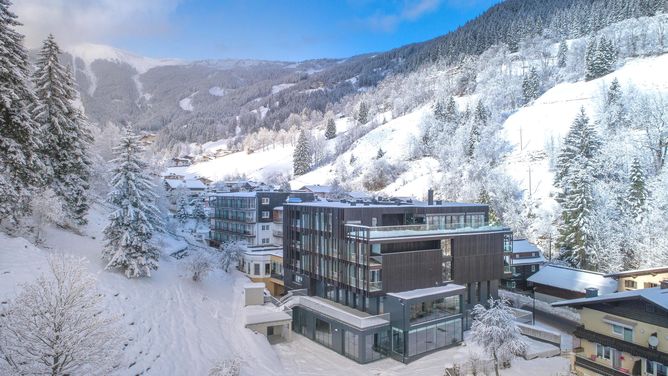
<point>573,279</point>
<point>317,188</point>
<point>655,295</point>
<point>637,272</point>
<point>523,246</point>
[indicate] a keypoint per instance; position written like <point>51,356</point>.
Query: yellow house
<point>264,264</point>
<point>639,279</point>
<point>624,333</point>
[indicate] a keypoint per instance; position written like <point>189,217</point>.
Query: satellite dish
<point>653,341</point>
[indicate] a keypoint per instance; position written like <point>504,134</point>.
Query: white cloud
<point>75,21</point>
<point>411,11</point>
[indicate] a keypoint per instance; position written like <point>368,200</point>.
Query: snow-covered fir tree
<point>303,155</point>
<point>562,54</point>
<point>615,116</point>
<point>495,330</point>
<point>531,85</point>
<point>65,133</point>
<point>380,153</point>
<point>182,210</point>
<point>575,178</point>
<point>600,58</point>
<point>21,166</point>
<point>58,325</point>
<point>330,133</point>
<point>198,213</point>
<point>637,192</point>
<point>363,113</point>
<point>135,218</point>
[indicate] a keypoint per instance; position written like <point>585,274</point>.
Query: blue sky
<point>256,29</point>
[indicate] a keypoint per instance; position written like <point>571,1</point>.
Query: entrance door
<point>270,330</point>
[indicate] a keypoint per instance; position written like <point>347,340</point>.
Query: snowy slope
<point>531,128</point>
<point>89,52</point>
<point>173,326</point>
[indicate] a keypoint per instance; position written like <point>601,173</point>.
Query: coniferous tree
<point>531,85</point>
<point>380,153</point>
<point>363,113</point>
<point>637,192</point>
<point>303,155</point>
<point>614,112</point>
<point>135,217</point>
<point>21,167</point>
<point>65,133</point>
<point>182,210</point>
<point>575,177</point>
<point>199,214</point>
<point>562,54</point>
<point>480,119</point>
<point>590,56</point>
<point>330,133</point>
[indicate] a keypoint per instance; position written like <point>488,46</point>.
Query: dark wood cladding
<point>477,258</point>
<point>411,270</point>
<point>557,292</point>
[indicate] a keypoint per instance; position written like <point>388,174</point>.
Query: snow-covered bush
<point>231,253</point>
<point>227,367</point>
<point>200,265</point>
<point>380,174</point>
<point>46,209</point>
<point>57,325</point>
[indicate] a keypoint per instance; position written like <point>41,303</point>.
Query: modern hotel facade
<point>389,278</point>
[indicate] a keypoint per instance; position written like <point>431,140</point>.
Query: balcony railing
<point>601,369</point>
<point>376,286</point>
<point>384,232</point>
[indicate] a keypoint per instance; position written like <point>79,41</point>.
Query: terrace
<point>408,232</point>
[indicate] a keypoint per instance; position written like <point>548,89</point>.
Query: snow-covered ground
<point>549,118</point>
<point>173,325</point>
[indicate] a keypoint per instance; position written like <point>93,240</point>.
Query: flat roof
<point>384,204</point>
<point>340,312</point>
<point>267,317</point>
<point>429,291</point>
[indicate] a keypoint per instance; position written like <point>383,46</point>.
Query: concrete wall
<point>254,294</point>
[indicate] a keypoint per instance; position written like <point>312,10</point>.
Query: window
<point>603,351</point>
<point>649,367</point>
<point>630,284</point>
<point>323,332</point>
<point>265,240</point>
<point>617,329</point>
<point>265,227</point>
<point>265,214</point>
<point>267,269</point>
<point>649,285</point>
<point>256,269</point>
<point>533,268</point>
<point>265,200</point>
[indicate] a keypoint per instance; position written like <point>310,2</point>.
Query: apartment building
<point>246,216</point>
<point>624,333</point>
<point>264,264</point>
<point>389,278</point>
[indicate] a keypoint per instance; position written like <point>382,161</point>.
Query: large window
<point>434,309</point>
<point>435,336</point>
<point>323,333</point>
<point>630,284</point>
<point>397,341</point>
<point>377,346</point>
<point>351,345</point>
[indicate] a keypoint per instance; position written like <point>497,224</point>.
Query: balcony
<point>278,234</point>
<point>601,369</point>
<point>375,286</point>
<point>621,345</point>
<point>377,233</point>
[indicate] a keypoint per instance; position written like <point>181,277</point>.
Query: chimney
<point>664,284</point>
<point>591,292</point>
<point>430,197</point>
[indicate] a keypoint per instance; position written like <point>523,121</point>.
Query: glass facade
<point>434,309</point>
<point>433,337</point>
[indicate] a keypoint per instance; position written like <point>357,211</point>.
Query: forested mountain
<point>206,100</point>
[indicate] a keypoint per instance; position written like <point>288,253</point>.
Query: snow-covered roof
<point>387,204</point>
<point>573,279</point>
<point>267,317</point>
<point>317,188</point>
<point>340,312</point>
<point>540,259</point>
<point>192,184</point>
<point>523,246</point>
<point>254,285</point>
<point>655,295</point>
<point>450,288</point>
<point>359,194</point>
<point>637,272</point>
